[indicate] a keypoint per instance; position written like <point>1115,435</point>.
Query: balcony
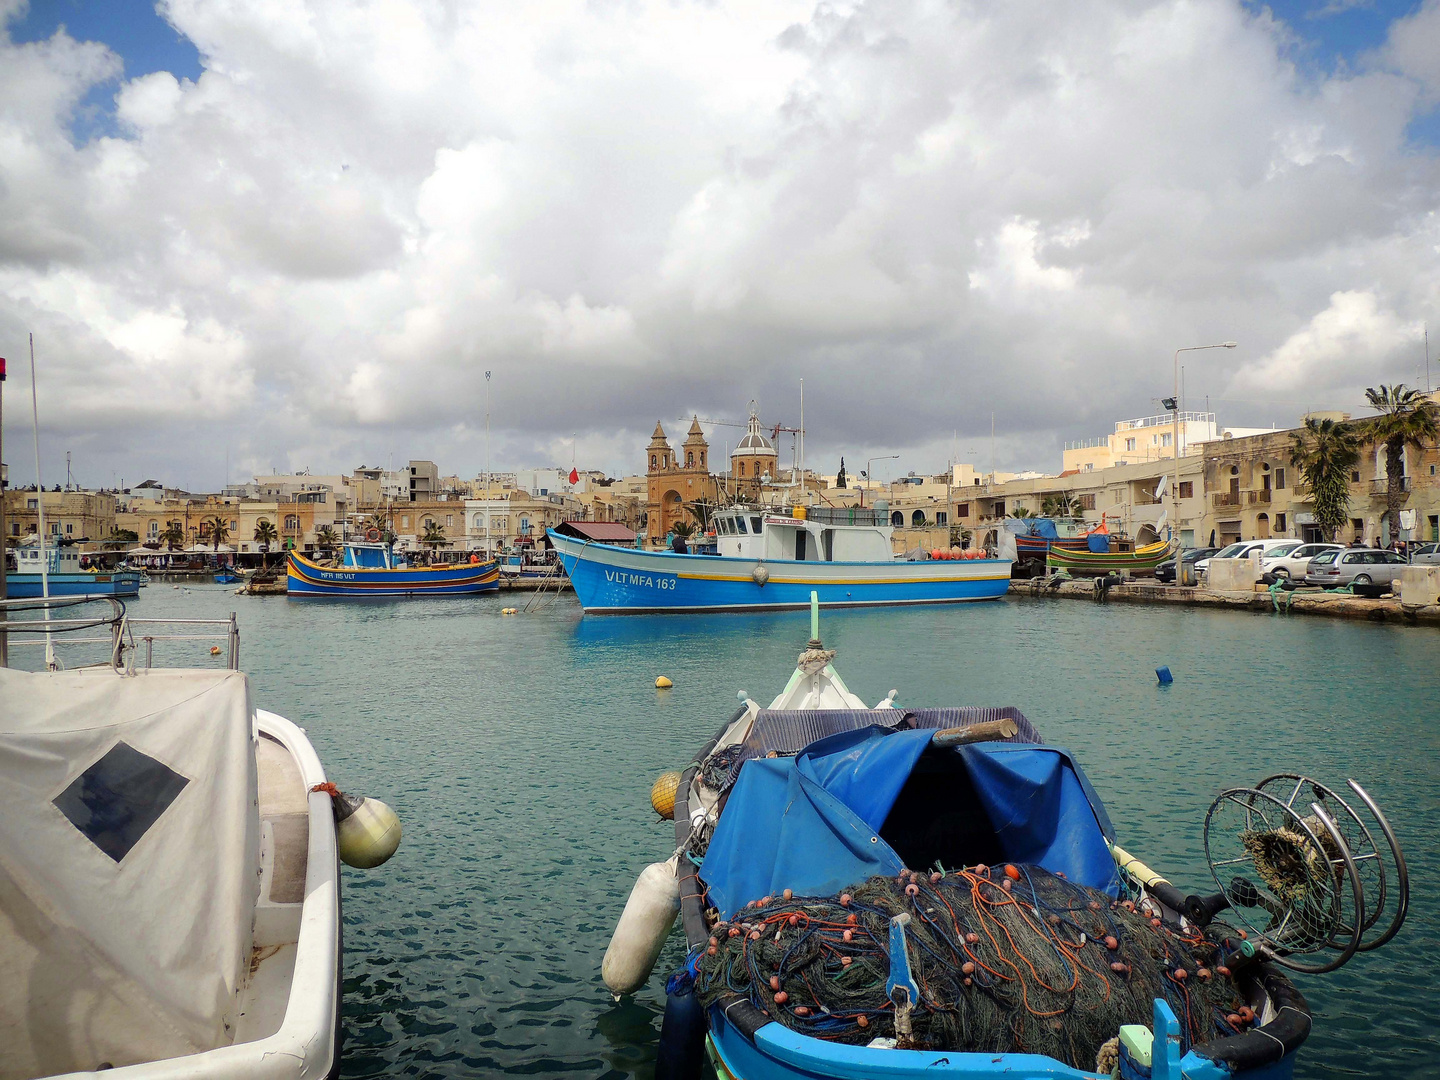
<point>1225,499</point>
<point>1380,486</point>
<point>1258,498</point>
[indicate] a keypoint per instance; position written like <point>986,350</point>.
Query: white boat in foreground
<point>169,877</point>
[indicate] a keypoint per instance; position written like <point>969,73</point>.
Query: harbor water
<point>519,753</point>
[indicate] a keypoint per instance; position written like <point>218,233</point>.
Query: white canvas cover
<point>129,858</point>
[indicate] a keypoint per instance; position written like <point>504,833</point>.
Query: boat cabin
<point>59,560</point>
<point>371,556</point>
<point>806,534</point>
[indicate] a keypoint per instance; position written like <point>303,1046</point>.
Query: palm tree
<point>1325,451</point>
<point>703,511</point>
<point>172,536</point>
<point>682,529</point>
<point>1020,512</point>
<point>377,521</point>
<point>1407,418</point>
<point>219,531</point>
<point>326,539</point>
<point>265,534</point>
<point>434,536</point>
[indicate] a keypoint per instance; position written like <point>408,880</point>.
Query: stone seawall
<point>1335,605</point>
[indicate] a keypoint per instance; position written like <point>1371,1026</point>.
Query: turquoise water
<point>519,752</point>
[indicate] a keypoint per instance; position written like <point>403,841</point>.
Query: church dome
<point>754,440</point>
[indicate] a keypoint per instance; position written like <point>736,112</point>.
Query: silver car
<point>1425,555</point>
<point>1357,566</point>
<point>1293,562</point>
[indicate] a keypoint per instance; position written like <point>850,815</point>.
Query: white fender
<point>643,927</point>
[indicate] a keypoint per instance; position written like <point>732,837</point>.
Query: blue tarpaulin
<point>1098,542</point>
<point>812,823</point>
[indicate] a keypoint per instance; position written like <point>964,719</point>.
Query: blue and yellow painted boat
<point>769,559</point>
<point>371,569</point>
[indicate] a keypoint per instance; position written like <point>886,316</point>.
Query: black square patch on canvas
<point>116,800</point>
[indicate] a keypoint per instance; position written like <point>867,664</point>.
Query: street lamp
<point>868,477</point>
<point>1173,404</point>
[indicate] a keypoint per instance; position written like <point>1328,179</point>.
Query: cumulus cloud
<point>930,212</point>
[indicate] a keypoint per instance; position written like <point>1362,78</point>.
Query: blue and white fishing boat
<point>65,576</point>
<point>887,892</point>
<point>371,568</point>
<point>771,558</point>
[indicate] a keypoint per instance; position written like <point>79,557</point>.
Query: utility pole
<point>1174,405</point>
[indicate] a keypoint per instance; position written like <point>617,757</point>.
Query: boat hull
<point>613,580</point>
<point>306,579</point>
<point>1096,562</point>
<point>117,583</point>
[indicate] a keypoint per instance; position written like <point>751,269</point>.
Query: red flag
<point>574,476</point>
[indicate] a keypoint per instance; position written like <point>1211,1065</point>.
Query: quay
<point>1257,598</point>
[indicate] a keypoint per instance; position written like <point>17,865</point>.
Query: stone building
<point>672,480</point>
<point>70,516</point>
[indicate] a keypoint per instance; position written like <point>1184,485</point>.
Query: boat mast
<point>40,512</point>
<point>488,552</point>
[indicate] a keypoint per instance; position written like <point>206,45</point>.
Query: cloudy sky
<point>298,233</point>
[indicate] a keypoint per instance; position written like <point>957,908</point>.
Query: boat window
<point>800,537</point>
<point>755,525</point>
<point>827,544</point>
<point>739,523</point>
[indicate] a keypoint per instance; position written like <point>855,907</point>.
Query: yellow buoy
<point>368,835</point>
<point>662,794</point>
<point>662,683</point>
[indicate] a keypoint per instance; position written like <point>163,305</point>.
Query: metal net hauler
<point>917,892</point>
<point>170,892</point>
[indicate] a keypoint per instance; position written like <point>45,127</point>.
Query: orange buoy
<point>1012,872</point>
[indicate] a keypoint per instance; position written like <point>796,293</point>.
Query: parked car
<point>1243,550</point>
<point>1358,566</point>
<point>1425,555</point>
<point>1293,562</point>
<point>1166,570</point>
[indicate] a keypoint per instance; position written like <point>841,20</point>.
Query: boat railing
<point>46,622</point>
<point>846,515</point>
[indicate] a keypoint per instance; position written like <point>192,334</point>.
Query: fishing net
<point>1007,959</point>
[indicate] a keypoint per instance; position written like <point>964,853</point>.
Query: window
<point>292,523</point>
<point>702,459</point>
<point>998,509</point>
<point>917,519</point>
<point>1279,479</point>
<point>1355,476</point>
<point>1187,489</point>
<point>742,468</point>
<point>404,521</point>
<point>153,529</point>
<point>942,518</point>
<point>737,521</point>
<point>32,504</point>
<point>449,520</point>
<point>652,461</point>
<point>962,509</point>
<point>234,525</point>
<point>69,528</point>
<point>1087,502</point>
<point>1165,439</point>
<point>897,519</point>
<point>754,526</point>
<point>1279,522</point>
<point>690,459</point>
<point>1129,444</point>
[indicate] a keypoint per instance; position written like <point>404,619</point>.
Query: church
<point>678,480</point>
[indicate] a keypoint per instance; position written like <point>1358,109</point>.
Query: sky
<point>256,235</point>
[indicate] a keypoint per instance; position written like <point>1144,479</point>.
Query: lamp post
<point>1174,406</point>
<point>869,477</point>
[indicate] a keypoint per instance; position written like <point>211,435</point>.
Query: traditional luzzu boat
<point>170,891</point>
<point>909,893</point>
<point>371,568</point>
<point>1142,559</point>
<point>775,559</point>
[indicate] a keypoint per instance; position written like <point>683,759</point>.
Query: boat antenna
<point>50,663</point>
<point>488,552</point>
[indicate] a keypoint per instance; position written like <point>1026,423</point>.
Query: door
<point>800,536</point>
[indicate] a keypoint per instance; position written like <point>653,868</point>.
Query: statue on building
<point>840,477</point>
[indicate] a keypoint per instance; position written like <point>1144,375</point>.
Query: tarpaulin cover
<point>812,823</point>
<point>1098,542</point>
<point>1042,527</point>
<point>129,857</point>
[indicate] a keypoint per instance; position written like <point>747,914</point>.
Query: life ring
<point>373,535</point>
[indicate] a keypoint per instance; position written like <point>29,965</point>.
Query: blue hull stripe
<point>305,578</point>
<point>28,586</point>
<point>613,580</point>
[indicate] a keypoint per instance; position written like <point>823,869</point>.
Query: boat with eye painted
<point>772,558</point>
<point>371,568</point>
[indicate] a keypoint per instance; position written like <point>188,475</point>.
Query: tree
<point>326,538</point>
<point>265,534</point>
<point>377,522</point>
<point>840,478</point>
<point>120,536</point>
<point>682,529</point>
<point>1325,451</point>
<point>434,536</point>
<point>219,531</point>
<point>1063,504</point>
<point>1020,512</point>
<point>172,536</point>
<point>703,512</point>
<point>1406,418</point>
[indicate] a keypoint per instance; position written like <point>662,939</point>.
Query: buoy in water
<point>367,832</point>
<point>643,927</point>
<point>662,794</point>
<point>662,683</point>
<point>214,650</point>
